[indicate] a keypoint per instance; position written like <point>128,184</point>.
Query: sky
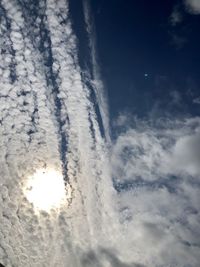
<point>149,51</point>
<point>99,133</point>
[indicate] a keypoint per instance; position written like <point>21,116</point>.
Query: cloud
<point>104,256</point>
<point>48,121</point>
<point>95,73</point>
<point>186,155</point>
<point>178,40</point>
<point>156,174</point>
<point>196,100</point>
<point>176,16</point>
<point>193,6</point>
<point>148,152</point>
<point>176,97</point>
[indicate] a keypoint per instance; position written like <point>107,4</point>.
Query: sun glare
<point>45,189</point>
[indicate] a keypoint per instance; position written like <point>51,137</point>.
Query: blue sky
<point>140,37</point>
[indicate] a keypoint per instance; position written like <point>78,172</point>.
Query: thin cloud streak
<point>96,73</point>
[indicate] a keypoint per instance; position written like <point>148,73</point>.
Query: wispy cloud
<point>105,256</point>
<point>193,6</point>
<point>196,100</point>
<point>176,16</point>
<point>96,73</point>
<point>177,40</point>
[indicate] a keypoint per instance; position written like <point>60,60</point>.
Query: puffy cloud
<point>170,148</point>
<point>156,173</point>
<point>186,155</point>
<point>48,121</point>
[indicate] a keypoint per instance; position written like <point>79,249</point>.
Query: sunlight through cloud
<point>45,189</point>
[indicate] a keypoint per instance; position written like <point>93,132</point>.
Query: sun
<point>45,189</point>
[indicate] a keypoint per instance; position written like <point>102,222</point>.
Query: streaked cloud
<point>95,74</point>
<point>48,121</point>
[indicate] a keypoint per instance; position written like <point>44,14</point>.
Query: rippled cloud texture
<point>50,113</point>
<point>48,121</point>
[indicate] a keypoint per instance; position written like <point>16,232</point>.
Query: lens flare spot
<point>45,189</point>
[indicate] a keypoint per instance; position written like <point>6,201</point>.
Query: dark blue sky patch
<point>170,183</point>
<point>137,38</point>
<point>78,25</point>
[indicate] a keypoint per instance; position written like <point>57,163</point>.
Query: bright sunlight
<point>45,189</point>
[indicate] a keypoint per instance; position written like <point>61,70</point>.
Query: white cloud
<point>193,6</point>
<point>43,125</point>
<point>48,120</point>
<point>186,154</point>
<point>156,171</point>
<point>150,153</point>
